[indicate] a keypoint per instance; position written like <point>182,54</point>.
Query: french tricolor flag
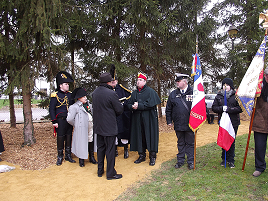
<point>226,135</point>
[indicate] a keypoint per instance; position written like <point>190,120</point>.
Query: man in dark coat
<point>106,106</point>
<point>178,111</point>
<point>58,109</point>
<point>144,120</point>
<point>260,128</point>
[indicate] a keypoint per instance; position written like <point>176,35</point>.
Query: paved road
<point>37,113</point>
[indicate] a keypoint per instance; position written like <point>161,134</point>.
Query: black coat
<point>233,108</point>
<point>106,106</point>
<point>123,120</point>
<point>176,112</point>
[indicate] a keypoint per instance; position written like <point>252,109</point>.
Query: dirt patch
<point>37,177</point>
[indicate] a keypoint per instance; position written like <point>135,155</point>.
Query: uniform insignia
<point>63,76</point>
<point>54,94</point>
<point>125,88</point>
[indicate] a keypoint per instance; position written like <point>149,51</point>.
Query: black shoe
<point>81,162</point>
<point>178,165</point>
<point>126,155</point>
<point>59,157</point>
<point>100,173</point>
<point>116,176</point>
<point>140,159</point>
<point>152,161</point>
<point>223,163</point>
<point>231,165</point>
<point>68,157</point>
<point>190,166</point>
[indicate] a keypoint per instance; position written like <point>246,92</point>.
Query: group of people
<point>118,117</point>
<point>108,117</point>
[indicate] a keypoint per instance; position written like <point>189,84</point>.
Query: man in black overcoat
<point>106,106</point>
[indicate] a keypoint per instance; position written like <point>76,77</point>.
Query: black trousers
<point>185,146</point>
<point>230,154</point>
<point>106,147</point>
<point>1,143</point>
<point>260,150</point>
<point>64,127</point>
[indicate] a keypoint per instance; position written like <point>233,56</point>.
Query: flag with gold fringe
<point>198,110</point>
<point>251,84</point>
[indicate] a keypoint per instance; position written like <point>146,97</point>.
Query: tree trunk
<point>12,111</point>
<point>28,130</point>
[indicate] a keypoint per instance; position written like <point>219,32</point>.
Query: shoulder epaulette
<point>125,88</point>
<point>54,94</point>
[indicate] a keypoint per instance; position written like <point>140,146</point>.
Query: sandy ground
<point>71,182</point>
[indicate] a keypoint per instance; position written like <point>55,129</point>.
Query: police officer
<point>178,113</point>
<point>58,109</point>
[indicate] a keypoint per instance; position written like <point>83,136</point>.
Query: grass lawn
<point>209,181</point>
<point>5,102</point>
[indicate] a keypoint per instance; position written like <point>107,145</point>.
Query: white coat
<point>78,117</point>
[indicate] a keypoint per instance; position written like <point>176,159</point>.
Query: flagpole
<point>249,133</point>
<point>195,132</point>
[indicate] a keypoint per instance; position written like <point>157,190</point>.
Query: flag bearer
<point>233,109</point>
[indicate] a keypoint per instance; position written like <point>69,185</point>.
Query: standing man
<point>144,120</point>
<point>123,120</point>
<point>106,106</point>
<point>58,109</point>
<point>178,112</point>
<point>260,127</point>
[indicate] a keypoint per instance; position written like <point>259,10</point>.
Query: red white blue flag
<point>226,135</point>
<point>251,84</point>
<point>198,110</point>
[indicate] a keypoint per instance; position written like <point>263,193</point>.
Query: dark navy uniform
<point>58,109</point>
<point>123,120</point>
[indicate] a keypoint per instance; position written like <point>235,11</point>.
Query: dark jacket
<point>145,117</point>
<point>123,120</point>
<point>59,103</point>
<point>106,107</point>
<point>176,111</point>
<point>260,121</point>
<point>233,108</point>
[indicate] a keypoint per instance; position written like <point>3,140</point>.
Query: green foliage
<point>209,181</point>
<point>245,16</point>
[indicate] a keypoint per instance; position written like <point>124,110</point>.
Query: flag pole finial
<point>264,17</point>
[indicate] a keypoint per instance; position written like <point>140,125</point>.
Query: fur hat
<point>112,72</point>
<point>228,81</point>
